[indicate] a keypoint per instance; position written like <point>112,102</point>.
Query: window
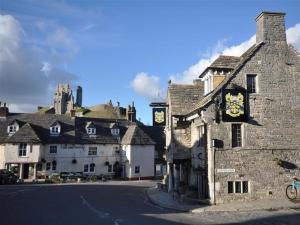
<point>92,167</point>
<point>230,187</point>
<point>115,131</point>
<point>91,130</point>
<point>22,149</point>
<point>12,129</point>
<point>251,83</point>
<point>109,168</point>
<point>236,132</point>
<point>201,136</point>
<point>54,165</point>
<point>48,166</point>
<point>238,187</point>
<point>92,151</point>
<point>53,149</point>
<point>86,168</point>
<point>54,130</point>
<point>137,169</point>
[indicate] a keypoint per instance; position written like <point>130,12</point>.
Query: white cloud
<point>25,80</point>
<point>143,81</point>
<point>293,36</point>
<point>148,86</point>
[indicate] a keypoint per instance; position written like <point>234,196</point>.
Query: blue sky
<point>121,50</point>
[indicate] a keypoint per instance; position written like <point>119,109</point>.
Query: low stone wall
<point>268,172</point>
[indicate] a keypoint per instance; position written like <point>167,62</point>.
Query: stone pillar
<point>170,170</point>
<point>21,168</point>
<point>176,177</point>
<point>34,171</point>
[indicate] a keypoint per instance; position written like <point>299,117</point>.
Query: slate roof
<point>35,128</point>
<point>223,62</point>
<point>243,59</point>
<point>184,97</point>
<point>136,136</point>
<point>25,134</point>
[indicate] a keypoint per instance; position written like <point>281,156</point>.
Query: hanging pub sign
<point>159,116</point>
<point>234,105</point>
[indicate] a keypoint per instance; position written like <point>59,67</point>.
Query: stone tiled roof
<point>184,97</point>
<point>223,62</point>
<point>136,136</point>
<point>243,59</point>
<point>26,134</point>
<point>35,128</point>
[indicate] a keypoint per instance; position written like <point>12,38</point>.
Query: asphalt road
<point>111,203</point>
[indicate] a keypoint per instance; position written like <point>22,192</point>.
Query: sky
<point>123,50</point>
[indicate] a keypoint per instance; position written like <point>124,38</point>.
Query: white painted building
<point>38,145</point>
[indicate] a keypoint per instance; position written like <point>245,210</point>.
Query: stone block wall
<point>265,177</point>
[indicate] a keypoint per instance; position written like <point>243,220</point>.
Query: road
<point>111,203</point>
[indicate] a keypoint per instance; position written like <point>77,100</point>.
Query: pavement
<point>167,200</point>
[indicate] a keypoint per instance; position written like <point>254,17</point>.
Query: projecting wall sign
<point>159,116</point>
<point>234,105</point>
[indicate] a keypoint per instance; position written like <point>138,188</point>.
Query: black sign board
<point>159,116</point>
<point>234,103</point>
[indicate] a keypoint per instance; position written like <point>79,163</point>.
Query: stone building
<point>240,140</point>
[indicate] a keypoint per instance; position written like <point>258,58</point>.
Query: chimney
<point>4,112</point>
<point>270,27</point>
<point>72,112</point>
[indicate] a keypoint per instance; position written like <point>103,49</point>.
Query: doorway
<point>26,171</point>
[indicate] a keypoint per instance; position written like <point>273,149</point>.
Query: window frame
<point>236,140</point>
<point>110,168</point>
<point>51,146</point>
<point>22,149</point>
<point>48,166</point>
<point>241,187</point>
<point>92,165</point>
<point>54,165</point>
<point>55,130</point>
<point>95,150</point>
<point>135,169</point>
<point>249,87</point>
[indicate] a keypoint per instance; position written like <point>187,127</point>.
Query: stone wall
<point>267,179</point>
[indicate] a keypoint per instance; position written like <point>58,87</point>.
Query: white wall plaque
<point>225,170</point>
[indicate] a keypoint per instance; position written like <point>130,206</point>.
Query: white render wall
<point>11,154</point>
<point>66,153</point>
<point>139,155</point>
<point>2,160</point>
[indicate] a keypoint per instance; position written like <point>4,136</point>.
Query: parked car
<point>7,177</point>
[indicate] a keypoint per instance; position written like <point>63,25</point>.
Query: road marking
<point>100,214</point>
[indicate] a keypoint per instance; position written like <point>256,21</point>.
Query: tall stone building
<point>240,140</point>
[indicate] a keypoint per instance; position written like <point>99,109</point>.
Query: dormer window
<point>13,128</point>
<point>114,129</point>
<point>90,128</point>
<point>55,129</point>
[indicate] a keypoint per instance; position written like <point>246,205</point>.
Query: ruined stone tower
<point>63,99</point>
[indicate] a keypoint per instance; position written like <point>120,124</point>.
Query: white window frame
<point>52,146</point>
<point>92,150</point>
<point>90,168</point>
<point>115,131</point>
<point>12,129</point>
<point>110,168</point>
<point>86,168</point>
<point>137,167</point>
<point>242,187</point>
<point>54,168</point>
<point>22,148</point>
<point>55,130</point>
<point>91,130</point>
